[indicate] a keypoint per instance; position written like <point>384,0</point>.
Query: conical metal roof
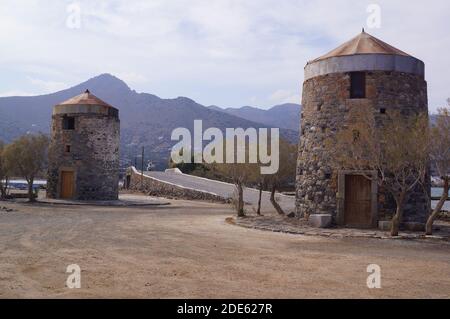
<point>86,98</point>
<point>364,43</point>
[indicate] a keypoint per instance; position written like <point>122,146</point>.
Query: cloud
<point>16,93</point>
<point>284,96</point>
<point>217,52</point>
<point>47,86</point>
<point>132,77</point>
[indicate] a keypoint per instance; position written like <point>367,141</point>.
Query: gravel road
<point>187,250</point>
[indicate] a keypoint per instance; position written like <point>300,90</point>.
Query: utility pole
<point>142,169</point>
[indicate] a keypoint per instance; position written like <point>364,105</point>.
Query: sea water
<point>437,192</point>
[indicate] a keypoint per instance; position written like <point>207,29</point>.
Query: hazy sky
<point>222,52</point>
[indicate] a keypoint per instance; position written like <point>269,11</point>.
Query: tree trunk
<point>30,190</point>
<point>240,206</point>
<point>397,219</point>
<point>2,190</point>
<point>274,202</point>
<point>6,185</point>
<point>258,211</point>
<point>437,210</point>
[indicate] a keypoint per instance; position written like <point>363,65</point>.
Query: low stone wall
<point>155,187</point>
<point>296,226</point>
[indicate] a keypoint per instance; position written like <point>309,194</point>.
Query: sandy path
<point>188,251</point>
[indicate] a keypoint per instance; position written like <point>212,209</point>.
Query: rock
<point>320,220</point>
<point>6,209</point>
<point>291,215</point>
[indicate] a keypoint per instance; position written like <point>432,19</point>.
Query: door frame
<point>340,216</point>
<point>67,169</point>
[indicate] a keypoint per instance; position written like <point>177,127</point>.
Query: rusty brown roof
<point>86,98</point>
<point>363,43</point>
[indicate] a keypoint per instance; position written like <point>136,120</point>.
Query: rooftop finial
<point>87,91</point>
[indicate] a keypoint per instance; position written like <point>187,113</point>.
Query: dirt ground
<point>187,250</point>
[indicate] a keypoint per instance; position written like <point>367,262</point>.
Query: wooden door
<point>357,201</point>
<point>67,184</point>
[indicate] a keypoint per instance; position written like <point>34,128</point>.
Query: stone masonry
<point>326,105</point>
<point>90,151</point>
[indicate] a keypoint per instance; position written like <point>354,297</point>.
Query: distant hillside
<point>146,120</point>
<point>284,116</point>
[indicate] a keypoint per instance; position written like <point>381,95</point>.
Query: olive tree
<point>440,158</point>
<point>396,147</point>
<point>249,170</point>
<point>262,182</point>
<point>4,172</point>
<point>240,175</point>
<point>286,172</point>
<point>27,158</point>
<point>251,173</point>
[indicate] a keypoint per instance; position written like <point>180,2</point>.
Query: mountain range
<point>146,120</point>
<point>284,116</point>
